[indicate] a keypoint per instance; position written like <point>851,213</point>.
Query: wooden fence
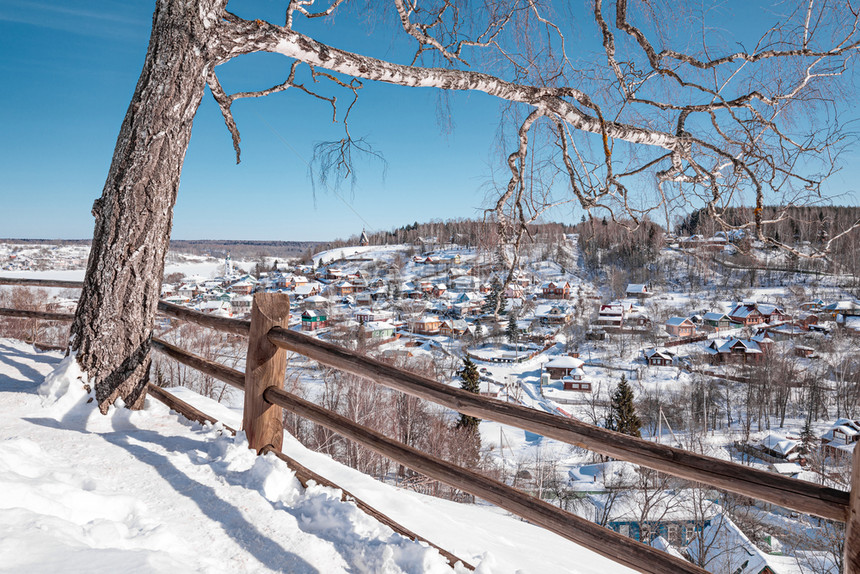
<point>269,339</point>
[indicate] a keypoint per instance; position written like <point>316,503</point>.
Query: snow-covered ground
<point>148,491</point>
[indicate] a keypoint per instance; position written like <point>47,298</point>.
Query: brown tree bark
<point>115,315</point>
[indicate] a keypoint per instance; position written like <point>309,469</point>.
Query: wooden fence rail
<point>269,339</point>
<point>791,493</point>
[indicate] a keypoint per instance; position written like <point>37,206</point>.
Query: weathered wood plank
<point>43,315</point>
<point>220,372</point>
<point>223,324</point>
<point>305,475</point>
<point>799,495</point>
<point>851,564</point>
<point>180,406</point>
<point>41,283</point>
<point>608,543</point>
<point>265,366</point>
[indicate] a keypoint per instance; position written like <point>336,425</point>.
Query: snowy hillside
<point>152,492</point>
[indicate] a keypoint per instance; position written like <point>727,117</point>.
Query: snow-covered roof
<point>677,321</point>
<point>637,288</point>
<point>564,362</point>
<point>727,549</point>
<point>779,443</point>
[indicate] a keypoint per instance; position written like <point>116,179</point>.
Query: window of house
<point>673,534</point>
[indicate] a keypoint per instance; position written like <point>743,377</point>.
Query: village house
<point>637,290</point>
<point>371,315</point>
<point>428,325</point>
<point>468,303</point>
<point>746,314</point>
<point>637,317</point>
<point>242,304</point>
<point>217,307</point>
<point>334,274</point>
<point>738,351</point>
<point>244,287</point>
<point>308,289</point>
<point>610,315</point>
<point>659,358</point>
<point>514,291</point>
<point>439,289</point>
<point>554,314</point>
<point>717,321</point>
<point>465,283</point>
<point>555,290</point>
<point>676,517</point>
<point>379,330</point>
<point>454,328</point>
<point>343,289</point>
<point>838,443</point>
<point>845,308</point>
<point>776,447</point>
<point>726,549</point>
<point>564,366</point>
<point>805,319</point>
<point>680,327</point>
<point>187,291</point>
<point>313,320</point>
<point>813,306</point>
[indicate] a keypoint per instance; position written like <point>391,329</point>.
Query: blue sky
<point>69,72</point>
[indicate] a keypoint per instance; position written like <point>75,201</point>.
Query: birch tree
<point>597,99</point>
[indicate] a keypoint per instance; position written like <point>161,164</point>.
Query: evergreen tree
<point>807,438</point>
<point>512,332</point>
<point>471,381</point>
<point>622,413</point>
<point>492,298</point>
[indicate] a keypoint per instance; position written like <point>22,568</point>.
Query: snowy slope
<point>150,492</point>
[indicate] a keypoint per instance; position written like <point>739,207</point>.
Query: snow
<point>152,492</point>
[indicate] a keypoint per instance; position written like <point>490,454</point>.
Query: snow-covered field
<point>148,491</point>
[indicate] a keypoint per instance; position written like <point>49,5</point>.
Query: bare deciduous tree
<point>703,121</point>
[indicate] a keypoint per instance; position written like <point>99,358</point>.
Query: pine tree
<point>512,332</point>
<point>471,381</point>
<point>807,438</point>
<point>622,413</point>
<point>492,298</point>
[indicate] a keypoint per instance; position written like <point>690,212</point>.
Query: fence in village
<point>262,382</point>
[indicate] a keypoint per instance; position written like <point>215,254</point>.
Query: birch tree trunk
<point>114,319</point>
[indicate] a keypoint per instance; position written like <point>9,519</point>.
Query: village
<point>552,340</point>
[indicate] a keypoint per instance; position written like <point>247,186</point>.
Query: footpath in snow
<point>148,491</point>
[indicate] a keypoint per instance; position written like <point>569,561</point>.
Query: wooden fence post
<point>265,366</point>
<point>851,563</point>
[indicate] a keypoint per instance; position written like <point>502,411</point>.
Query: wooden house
<point>610,315</point>
<point>738,351</point>
<point>313,320</point>
<point>564,366</point>
<point>428,325</point>
<point>343,289</point>
<point>717,321</point>
<point>746,314</point>
<point>454,328</point>
<point>680,327</point>
<point>380,330</point>
<point>638,290</point>
<point>555,290</point>
<point>659,358</point>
